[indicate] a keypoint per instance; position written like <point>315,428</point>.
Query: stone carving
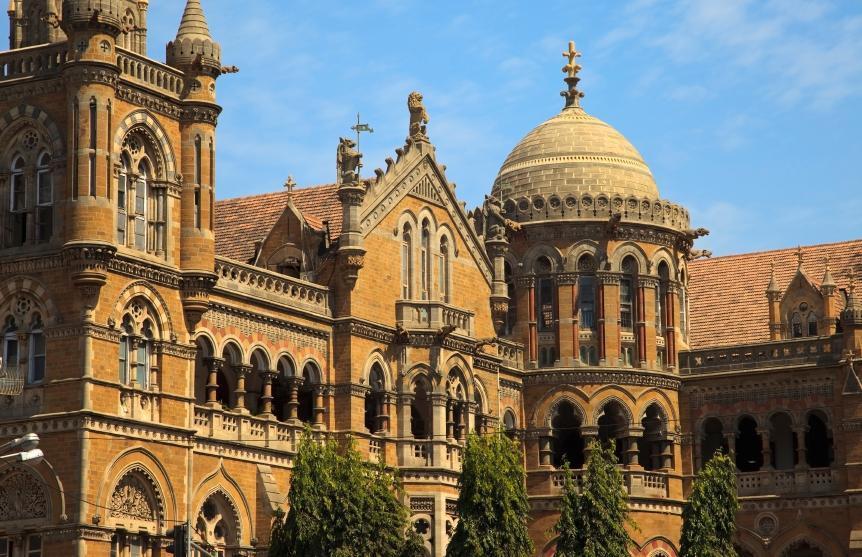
<point>22,497</point>
<point>130,500</point>
<point>496,224</point>
<point>418,116</point>
<point>348,161</point>
<point>694,254</point>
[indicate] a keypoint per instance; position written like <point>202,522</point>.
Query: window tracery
<point>141,195</point>
<point>138,334</point>
<point>28,216</point>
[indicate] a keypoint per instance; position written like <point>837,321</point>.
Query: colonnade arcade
<point>565,312</point>
<point>780,441</point>
<point>645,443</point>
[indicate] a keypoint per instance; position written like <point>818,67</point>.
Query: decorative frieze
<point>789,389</point>
<point>221,316</point>
<point>627,377</point>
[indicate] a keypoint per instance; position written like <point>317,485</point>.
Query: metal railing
<point>11,380</point>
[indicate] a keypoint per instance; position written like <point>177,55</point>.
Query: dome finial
<point>573,95</point>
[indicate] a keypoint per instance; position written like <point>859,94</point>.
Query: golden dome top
<point>574,153</point>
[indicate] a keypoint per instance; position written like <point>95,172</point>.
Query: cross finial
<point>799,256</point>
<point>573,95</point>
<point>289,184</point>
<point>572,68</point>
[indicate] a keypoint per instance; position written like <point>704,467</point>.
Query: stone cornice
<point>282,323</point>
<point>604,377</point>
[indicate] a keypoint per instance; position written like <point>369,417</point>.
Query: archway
<point>713,439</point>
<point>567,444</point>
<point>782,441</point>
<point>749,446</point>
<point>613,427</point>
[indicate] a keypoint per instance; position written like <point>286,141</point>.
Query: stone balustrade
<point>226,425</point>
<point>511,352</point>
<point>638,483</point>
<point>33,61</point>
<point>433,315</point>
<point>140,70</point>
<point>814,350</point>
<point>271,286</point>
<point>803,481</point>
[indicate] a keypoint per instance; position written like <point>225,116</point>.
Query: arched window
<point>122,189</point>
<point>586,302</point>
<point>406,263</point>
<point>420,410</point>
<point>627,293</point>
<point>749,446</point>
<point>819,449</point>
<point>613,427</point>
<point>36,359</point>
<point>567,444</point>
<point>138,334</point>
<point>445,269</point>
<point>545,309</point>
<point>374,400</point>
<point>713,439</point>
<point>10,343</point>
<point>782,442</point>
<point>18,204</point>
<point>589,355</point>
<point>125,350</point>
<point>510,423</point>
<point>140,207</point>
<point>145,353</point>
<point>281,386</point>
<point>254,381</point>
<point>812,324</point>
<point>310,380</point>
<point>44,199</point>
<point>456,417</point>
<point>217,524</point>
<point>796,325</point>
<point>204,351</point>
<point>653,446</point>
<point>661,298</point>
<point>425,262</point>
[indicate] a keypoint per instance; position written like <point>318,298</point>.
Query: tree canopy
<point>594,515</point>
<point>709,515</point>
<point>492,505</point>
<point>340,506</point>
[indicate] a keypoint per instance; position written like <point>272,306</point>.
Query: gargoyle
<point>694,254</point>
<point>348,161</point>
<point>482,343</point>
<point>444,332</point>
<point>401,335</point>
<point>496,224</point>
<point>695,233</point>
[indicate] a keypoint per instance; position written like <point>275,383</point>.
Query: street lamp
<point>26,450</point>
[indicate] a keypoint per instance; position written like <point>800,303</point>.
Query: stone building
<point>176,347</point>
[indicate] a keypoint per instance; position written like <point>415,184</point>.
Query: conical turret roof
<point>194,22</point>
<point>194,45</point>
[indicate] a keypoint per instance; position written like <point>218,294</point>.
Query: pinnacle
<point>194,22</point>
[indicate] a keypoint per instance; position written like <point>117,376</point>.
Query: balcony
<point>140,70</point>
<point>433,315</point>
<point>811,481</point>
<point>225,425</point>
<point>792,352</point>
<point>273,287</point>
<point>638,483</point>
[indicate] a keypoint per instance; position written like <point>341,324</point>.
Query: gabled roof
<point>241,221</point>
<point>727,295</point>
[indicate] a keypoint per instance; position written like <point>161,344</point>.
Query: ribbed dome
<point>575,153</point>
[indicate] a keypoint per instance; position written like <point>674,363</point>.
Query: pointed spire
<point>194,22</point>
<point>828,281</point>
<point>773,285</point>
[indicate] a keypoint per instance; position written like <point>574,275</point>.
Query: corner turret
<point>194,47</point>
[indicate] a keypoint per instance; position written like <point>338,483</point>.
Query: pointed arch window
<point>425,262</point>
<point>18,203</point>
<point>10,343</point>
<point>141,197</point>
<point>445,269</point>
<point>125,345</point>
<point>140,207</point>
<point>545,294</point>
<point>145,352</point>
<point>812,324</point>
<point>796,325</point>
<point>36,359</point>
<point>406,262</point>
<point>661,297</point>
<point>122,190</point>
<point>44,199</point>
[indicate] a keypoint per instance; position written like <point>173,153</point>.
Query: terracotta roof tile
<point>727,295</point>
<point>241,221</point>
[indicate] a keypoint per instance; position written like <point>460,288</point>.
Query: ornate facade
<point>175,347</point>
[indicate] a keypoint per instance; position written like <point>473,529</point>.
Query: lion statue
<point>348,161</point>
<point>418,116</point>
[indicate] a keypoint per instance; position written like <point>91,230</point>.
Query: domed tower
<point>596,279</point>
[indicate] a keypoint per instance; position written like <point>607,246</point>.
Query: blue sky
<point>748,112</point>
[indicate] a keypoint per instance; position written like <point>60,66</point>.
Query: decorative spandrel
<point>22,497</point>
<point>131,500</point>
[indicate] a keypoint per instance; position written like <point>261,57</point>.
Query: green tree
<point>342,506</point>
<point>492,505</point>
<point>709,516</point>
<point>593,522</point>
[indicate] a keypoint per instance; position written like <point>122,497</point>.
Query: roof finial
<point>799,258</point>
<point>289,184</point>
<point>827,281</point>
<point>573,95</point>
<point>773,285</point>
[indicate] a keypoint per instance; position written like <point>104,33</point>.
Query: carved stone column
<point>293,386</point>
<point>801,449</point>
<point>319,405</point>
<point>134,344</point>
<point>766,449</point>
<point>450,419</point>
<point>241,372</point>
<point>266,396</point>
<point>731,444</point>
<point>633,448</point>
<point>590,434</point>
<point>545,448</point>
<point>405,413</point>
<point>214,365</point>
<point>666,456</point>
<point>384,406</point>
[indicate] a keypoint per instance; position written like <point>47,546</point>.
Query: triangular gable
<point>421,177</point>
<point>291,228</point>
<point>799,282</point>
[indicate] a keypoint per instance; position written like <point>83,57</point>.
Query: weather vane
<point>359,128</point>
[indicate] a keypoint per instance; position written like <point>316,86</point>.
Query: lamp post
<point>22,449</point>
